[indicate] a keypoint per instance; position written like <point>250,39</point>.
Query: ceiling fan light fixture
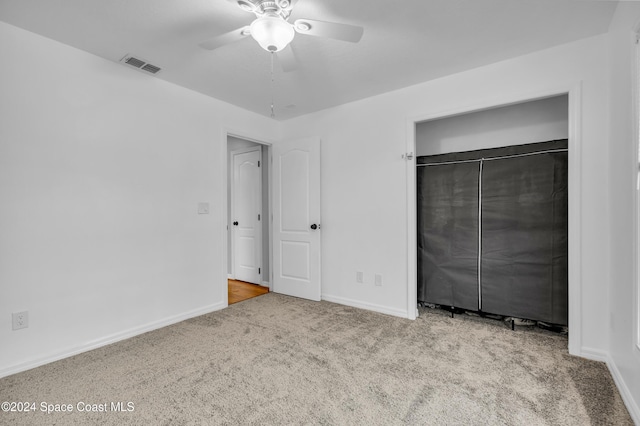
<point>272,33</point>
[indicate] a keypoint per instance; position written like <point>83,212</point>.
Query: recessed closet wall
<point>529,122</point>
<point>493,239</point>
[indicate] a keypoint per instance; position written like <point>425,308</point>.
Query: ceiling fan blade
<point>226,38</point>
<point>334,30</point>
<point>287,59</point>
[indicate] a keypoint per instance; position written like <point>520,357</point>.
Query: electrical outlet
<point>378,280</point>
<point>20,320</point>
<point>360,277</point>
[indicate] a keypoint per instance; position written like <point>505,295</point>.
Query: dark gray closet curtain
<point>523,259</point>
<point>448,234</point>
<point>524,237</point>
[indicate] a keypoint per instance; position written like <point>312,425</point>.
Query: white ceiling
<point>405,42</point>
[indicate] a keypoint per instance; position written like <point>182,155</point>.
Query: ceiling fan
<point>273,31</point>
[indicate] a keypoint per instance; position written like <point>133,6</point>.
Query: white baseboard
<point>265,284</point>
<point>230,277</point>
<point>363,305</point>
<point>594,354</point>
<point>107,340</point>
<point>625,393</point>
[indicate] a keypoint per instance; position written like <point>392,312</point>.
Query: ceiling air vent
<point>140,64</point>
<point>151,68</point>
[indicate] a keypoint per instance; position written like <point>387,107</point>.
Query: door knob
<point>235,223</point>
<point>314,226</point>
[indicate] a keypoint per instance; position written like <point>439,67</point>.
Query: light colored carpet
<point>281,360</point>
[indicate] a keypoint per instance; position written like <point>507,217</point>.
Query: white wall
<point>623,163</point>
<point>101,171</point>
<point>364,188</point>
<point>535,121</point>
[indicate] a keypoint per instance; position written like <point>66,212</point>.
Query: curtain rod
<point>551,151</point>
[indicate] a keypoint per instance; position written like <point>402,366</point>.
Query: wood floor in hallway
<point>240,290</point>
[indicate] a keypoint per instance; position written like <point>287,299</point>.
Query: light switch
<point>203,208</point>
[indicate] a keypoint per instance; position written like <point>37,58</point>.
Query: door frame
<point>224,207</point>
<point>231,184</point>
<point>574,93</point>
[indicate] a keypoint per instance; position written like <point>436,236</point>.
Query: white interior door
<point>296,227</point>
<point>246,194</point>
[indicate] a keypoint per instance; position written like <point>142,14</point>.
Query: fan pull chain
<point>273,115</point>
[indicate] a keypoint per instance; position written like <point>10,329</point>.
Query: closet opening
<point>492,221</point>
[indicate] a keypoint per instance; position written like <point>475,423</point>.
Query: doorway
<point>248,231</point>
<point>290,263</point>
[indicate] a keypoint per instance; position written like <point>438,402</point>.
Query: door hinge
<point>258,163</point>
<point>258,216</point>
<point>259,271</point>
